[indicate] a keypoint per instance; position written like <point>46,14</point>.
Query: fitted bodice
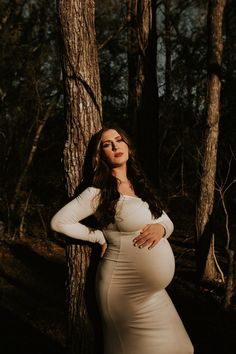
<point>132,214</point>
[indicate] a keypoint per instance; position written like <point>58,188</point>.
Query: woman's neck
<point>124,186</point>
<point>120,173</point>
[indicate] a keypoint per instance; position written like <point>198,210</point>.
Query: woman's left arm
<point>151,234</point>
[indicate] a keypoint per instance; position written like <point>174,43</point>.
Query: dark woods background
<point>31,78</point>
<point>32,119</point>
<point>33,133</point>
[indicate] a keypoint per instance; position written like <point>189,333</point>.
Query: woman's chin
<point>116,164</point>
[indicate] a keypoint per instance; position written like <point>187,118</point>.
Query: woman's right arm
<point>67,219</point>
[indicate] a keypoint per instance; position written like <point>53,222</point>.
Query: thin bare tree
<point>208,265</point>
<point>29,159</point>
<point>224,188</point>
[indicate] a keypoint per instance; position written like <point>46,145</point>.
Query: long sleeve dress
<point>137,314</point>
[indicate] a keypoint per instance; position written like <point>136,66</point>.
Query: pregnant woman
<point>137,262</point>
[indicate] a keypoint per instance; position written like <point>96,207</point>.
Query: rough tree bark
<point>143,91</point>
<point>209,267</point>
<point>83,115</point>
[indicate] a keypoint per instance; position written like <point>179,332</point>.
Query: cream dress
<point>137,314</point>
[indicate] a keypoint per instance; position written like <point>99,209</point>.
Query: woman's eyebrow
<point>108,140</point>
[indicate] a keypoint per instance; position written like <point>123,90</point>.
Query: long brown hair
<point>107,183</point>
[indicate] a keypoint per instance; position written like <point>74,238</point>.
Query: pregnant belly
<point>156,266</point>
<point>150,269</point>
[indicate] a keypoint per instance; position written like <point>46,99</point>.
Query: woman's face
<point>114,148</point>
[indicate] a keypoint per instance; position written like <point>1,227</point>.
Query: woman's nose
<point>114,146</point>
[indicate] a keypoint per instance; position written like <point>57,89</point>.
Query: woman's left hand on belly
<point>149,236</point>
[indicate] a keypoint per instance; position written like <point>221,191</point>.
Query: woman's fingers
<point>146,242</point>
<point>147,227</point>
<point>153,244</point>
<point>149,236</point>
<point>103,249</point>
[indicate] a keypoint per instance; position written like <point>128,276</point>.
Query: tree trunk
<point>207,187</point>
<point>168,52</point>
<point>143,91</point>
<point>83,115</point>
<point>230,280</point>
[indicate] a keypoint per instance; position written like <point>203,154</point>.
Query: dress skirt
<point>137,313</point>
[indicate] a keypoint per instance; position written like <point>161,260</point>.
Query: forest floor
<point>32,299</point>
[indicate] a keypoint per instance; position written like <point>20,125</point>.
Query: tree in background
<point>143,91</point>
<point>83,116</point>
<point>167,40</point>
<point>111,30</point>
<point>181,73</point>
<point>211,271</point>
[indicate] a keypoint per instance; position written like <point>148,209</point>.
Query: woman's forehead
<point>110,134</point>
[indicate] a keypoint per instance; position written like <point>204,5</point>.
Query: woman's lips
<point>118,154</point>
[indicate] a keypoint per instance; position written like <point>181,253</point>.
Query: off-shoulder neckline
<point>121,194</point>
<point>129,196</point>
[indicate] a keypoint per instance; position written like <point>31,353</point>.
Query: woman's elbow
<point>55,225</point>
<point>171,227</point>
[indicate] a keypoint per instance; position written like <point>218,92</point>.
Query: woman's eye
<point>106,145</point>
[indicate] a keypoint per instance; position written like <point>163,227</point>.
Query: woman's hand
<point>103,249</point>
<point>149,236</point>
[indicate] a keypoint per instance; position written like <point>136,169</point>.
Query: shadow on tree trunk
<point>90,300</point>
<point>207,265</point>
